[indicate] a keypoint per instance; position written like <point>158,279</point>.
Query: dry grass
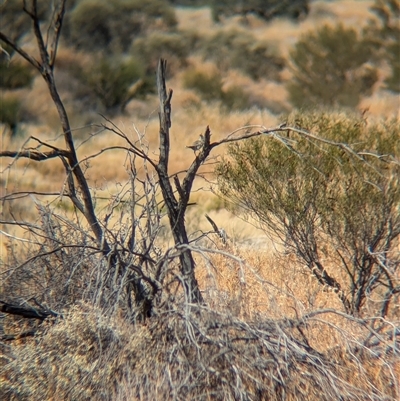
<point>281,33</point>
<point>238,347</point>
<point>190,116</point>
<point>213,353</point>
<point>267,331</point>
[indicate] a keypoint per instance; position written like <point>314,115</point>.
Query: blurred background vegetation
<point>109,52</point>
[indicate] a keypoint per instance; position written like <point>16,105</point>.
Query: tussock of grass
<point>266,331</point>
<point>187,353</point>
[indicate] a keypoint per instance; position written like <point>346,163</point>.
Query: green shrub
<point>112,81</point>
<point>210,88</point>
<point>383,35</point>
<point>14,74</point>
<point>97,24</point>
<point>10,112</point>
<point>329,206</point>
<point>14,22</point>
<point>235,98</point>
<point>240,50</point>
<point>330,68</point>
<point>89,24</point>
<point>393,81</point>
<point>173,47</point>
<point>263,9</point>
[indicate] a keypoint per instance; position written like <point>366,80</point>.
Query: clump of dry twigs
<point>193,352</point>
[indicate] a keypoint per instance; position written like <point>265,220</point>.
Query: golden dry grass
<point>87,354</point>
<point>189,116</point>
<point>179,355</point>
<point>281,33</point>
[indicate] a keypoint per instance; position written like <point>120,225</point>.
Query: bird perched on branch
<point>198,144</point>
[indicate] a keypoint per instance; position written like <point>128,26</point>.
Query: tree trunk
<point>176,210</point>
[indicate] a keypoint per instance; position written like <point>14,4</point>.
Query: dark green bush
<point>210,88</point>
<point>14,74</point>
<point>263,9</point>
<point>10,113</point>
<point>173,47</point>
<point>329,206</point>
<point>330,67</point>
<point>14,22</point>
<point>97,24</point>
<point>240,50</point>
<point>235,98</point>
<point>383,35</point>
<point>112,81</point>
<point>393,81</point>
<point>89,24</point>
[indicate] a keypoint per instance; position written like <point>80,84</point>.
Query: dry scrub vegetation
<point>262,266</point>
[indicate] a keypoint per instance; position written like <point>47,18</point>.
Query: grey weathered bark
<point>27,311</point>
<point>176,210</point>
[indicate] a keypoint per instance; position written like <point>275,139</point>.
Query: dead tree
<point>123,267</point>
<point>139,270</point>
<point>45,66</point>
<point>177,207</point>
<point>78,188</point>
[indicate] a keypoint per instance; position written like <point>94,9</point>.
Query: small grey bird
<point>198,144</point>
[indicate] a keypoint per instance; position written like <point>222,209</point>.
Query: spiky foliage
<point>330,68</point>
<point>325,202</point>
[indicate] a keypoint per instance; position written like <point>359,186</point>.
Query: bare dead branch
<point>164,115</point>
<point>39,38</point>
<point>178,187</point>
<point>28,312</point>
<point>34,154</point>
<point>45,67</point>
<point>71,187</point>
<point>176,211</point>
<point>285,128</point>
<point>133,148</point>
<point>57,24</point>
<point>220,232</point>
<point>31,60</point>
